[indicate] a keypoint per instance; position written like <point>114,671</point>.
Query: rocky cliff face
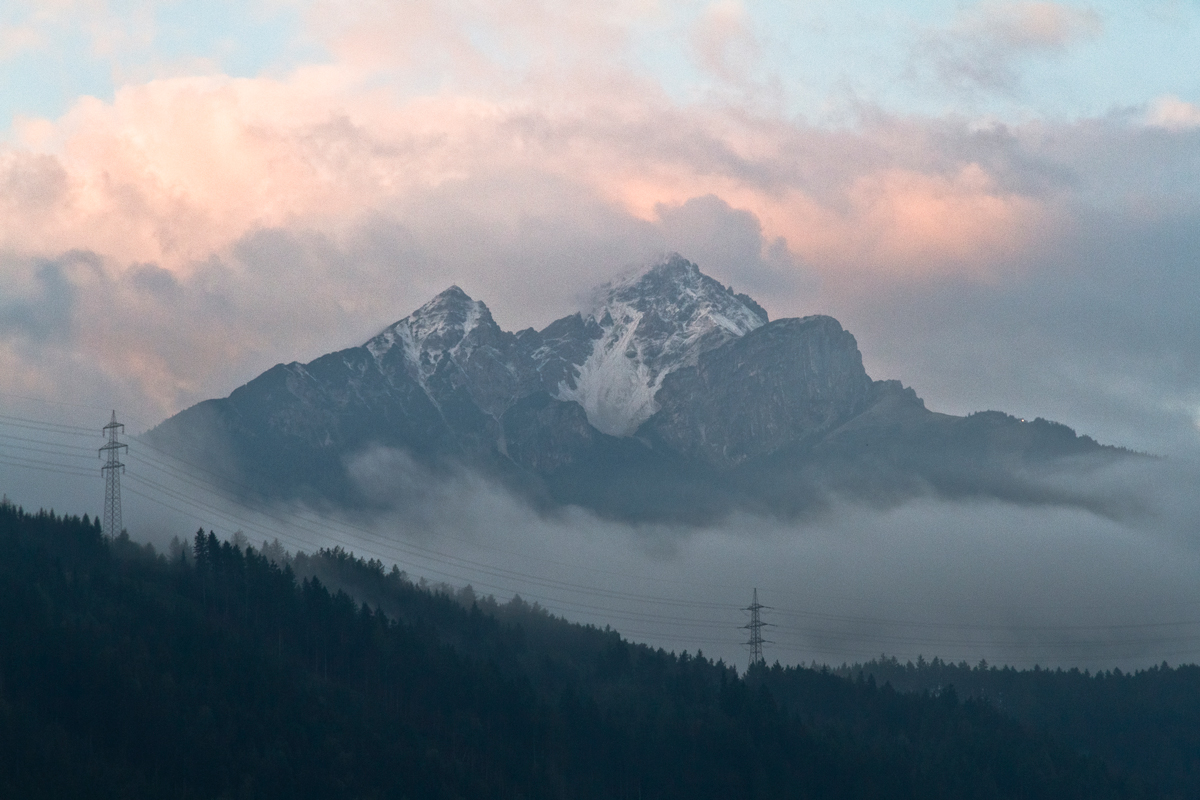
<point>668,388</point>
<point>783,383</point>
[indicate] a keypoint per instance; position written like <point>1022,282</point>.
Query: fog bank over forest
<point>961,580</point>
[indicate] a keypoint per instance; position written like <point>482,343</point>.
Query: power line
<point>21,422</point>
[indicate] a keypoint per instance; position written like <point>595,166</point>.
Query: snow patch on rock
<point>652,324</point>
<point>616,389</point>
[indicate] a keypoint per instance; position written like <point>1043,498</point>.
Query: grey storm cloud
<point>1099,332</point>
<point>46,313</point>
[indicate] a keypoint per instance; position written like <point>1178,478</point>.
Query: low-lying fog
<point>960,580</point>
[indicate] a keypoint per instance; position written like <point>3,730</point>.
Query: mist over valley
<point>870,524</point>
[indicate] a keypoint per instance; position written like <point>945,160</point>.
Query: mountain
<point>670,398</point>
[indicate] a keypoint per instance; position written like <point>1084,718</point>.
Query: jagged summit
<point>439,325</point>
<point>445,331</point>
<point>611,358</point>
<point>449,346</point>
<point>675,288</point>
<point>652,323</point>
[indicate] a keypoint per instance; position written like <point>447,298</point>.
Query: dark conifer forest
<point>225,671</point>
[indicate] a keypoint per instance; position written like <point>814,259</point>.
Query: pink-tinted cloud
<point>1032,25</point>
<point>174,171</point>
<point>477,43</point>
<point>724,42</point>
<point>107,27</point>
<point>16,39</point>
<point>1173,114</point>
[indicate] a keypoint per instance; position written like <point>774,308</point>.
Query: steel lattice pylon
<point>755,627</point>
<point>111,471</point>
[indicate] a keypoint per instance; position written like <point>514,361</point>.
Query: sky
<point>1000,200</point>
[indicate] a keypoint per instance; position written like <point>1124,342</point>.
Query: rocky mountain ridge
<point>670,397</point>
<point>611,360</point>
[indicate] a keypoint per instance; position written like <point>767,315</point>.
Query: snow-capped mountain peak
<point>652,323</point>
<point>676,288</point>
<point>611,358</point>
<point>451,323</point>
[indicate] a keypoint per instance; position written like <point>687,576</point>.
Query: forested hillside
<point>217,672</point>
<point>1144,724</point>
